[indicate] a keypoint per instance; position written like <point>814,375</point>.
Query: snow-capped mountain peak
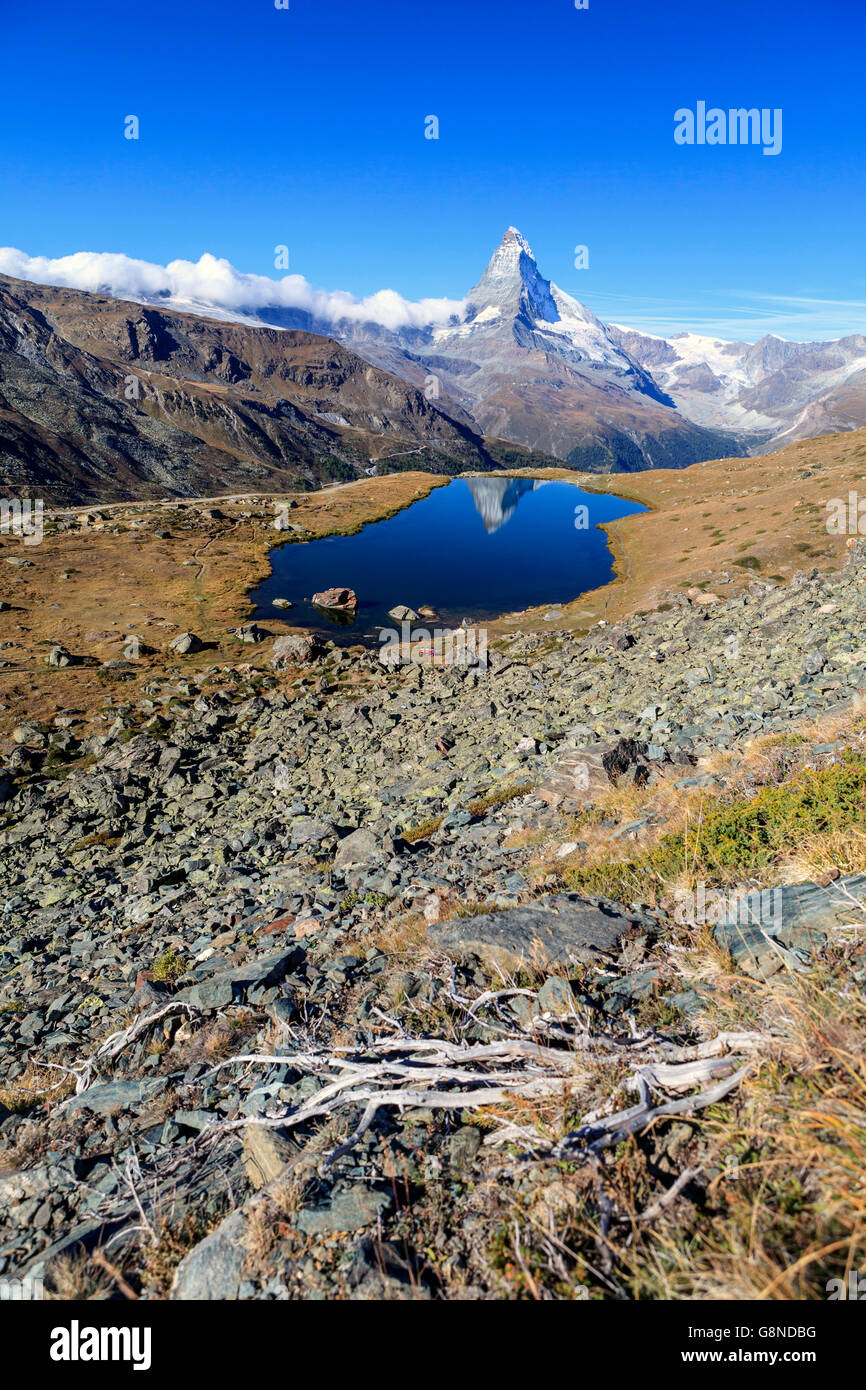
<point>513,301</point>
<point>512,284</point>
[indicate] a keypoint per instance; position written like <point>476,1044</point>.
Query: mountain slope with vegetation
<point>102,400</point>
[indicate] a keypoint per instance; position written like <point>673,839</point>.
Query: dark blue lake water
<point>476,548</point>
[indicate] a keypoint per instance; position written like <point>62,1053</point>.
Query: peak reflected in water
<point>496,499</point>
<point>434,555</point>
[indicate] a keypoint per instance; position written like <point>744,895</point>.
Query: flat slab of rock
<point>266,1153</point>
<point>223,985</point>
<point>110,1096</point>
<point>350,1210</point>
<point>214,1268</point>
<point>551,931</point>
<point>762,926</point>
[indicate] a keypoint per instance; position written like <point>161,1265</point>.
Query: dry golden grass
<point>36,1086</point>
<point>702,521</point>
<point>173,1240</point>
<point>765,761</point>
<point>134,581</point>
<point>706,519</point>
<point>76,1278</point>
<point>789,1213</point>
<point>777,1207</point>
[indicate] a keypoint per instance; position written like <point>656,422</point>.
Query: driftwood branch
<point>668,1198</point>
<point>113,1045</point>
<point>431,1073</point>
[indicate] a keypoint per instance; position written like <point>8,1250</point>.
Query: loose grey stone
<point>550,931</point>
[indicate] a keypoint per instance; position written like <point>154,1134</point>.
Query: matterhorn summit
<point>514,300</point>
<point>512,284</point>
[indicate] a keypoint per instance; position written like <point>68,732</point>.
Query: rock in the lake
<point>336,600</point>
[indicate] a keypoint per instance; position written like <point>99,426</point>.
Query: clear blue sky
<point>306,127</point>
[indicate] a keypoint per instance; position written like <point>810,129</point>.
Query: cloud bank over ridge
<point>212,280</point>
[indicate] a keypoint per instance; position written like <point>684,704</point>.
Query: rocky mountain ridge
<point>774,390</point>
<point>103,400</point>
<point>520,358</point>
<point>527,361</point>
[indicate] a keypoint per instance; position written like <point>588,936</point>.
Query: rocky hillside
<point>312,985</point>
<point>101,400</point>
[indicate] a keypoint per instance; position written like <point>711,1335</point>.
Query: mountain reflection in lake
<point>475,548</point>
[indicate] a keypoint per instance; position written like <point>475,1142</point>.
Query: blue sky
<point>305,127</point>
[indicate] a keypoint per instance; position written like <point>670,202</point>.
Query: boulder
<point>223,985</point>
<point>581,775</point>
<point>361,847</point>
<point>762,929</point>
<point>295,649</point>
<point>213,1269</point>
<point>58,656</point>
<point>185,643</point>
<point>266,1153</point>
<point>349,1210</point>
<point>107,1097</point>
<point>401,614</point>
<point>336,600</point>
<point>249,632</point>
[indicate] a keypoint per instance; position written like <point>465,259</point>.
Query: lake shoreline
<point>477,551</point>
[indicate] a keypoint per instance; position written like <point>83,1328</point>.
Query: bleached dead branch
<point>431,1073</point>
<point>113,1045</point>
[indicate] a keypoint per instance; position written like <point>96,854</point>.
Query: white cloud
<point>214,281</point>
<point>213,286</point>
